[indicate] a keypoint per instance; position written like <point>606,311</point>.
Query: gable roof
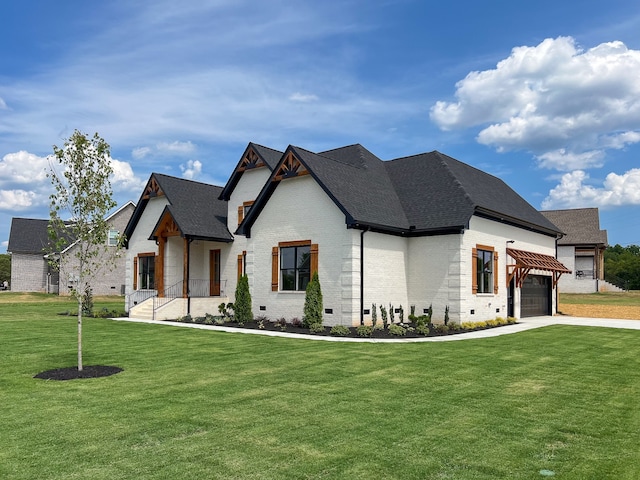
<point>194,206</point>
<point>28,235</point>
<point>581,226</point>
<point>254,156</point>
<point>424,194</point>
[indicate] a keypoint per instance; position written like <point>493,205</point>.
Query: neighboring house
<point>412,232</point>
<point>581,249</point>
<point>30,269</point>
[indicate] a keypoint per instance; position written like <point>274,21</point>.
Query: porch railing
<point>584,274</point>
<point>197,289</point>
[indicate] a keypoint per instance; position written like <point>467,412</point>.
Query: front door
<point>214,273</point>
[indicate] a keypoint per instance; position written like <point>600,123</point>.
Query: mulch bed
<point>72,373</point>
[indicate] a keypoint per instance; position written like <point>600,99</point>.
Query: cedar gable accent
<point>152,190</point>
<point>527,261</point>
<point>289,168</point>
<point>250,160</point>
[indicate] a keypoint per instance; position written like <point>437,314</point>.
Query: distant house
<point>581,249</point>
<point>30,268</point>
<point>419,231</point>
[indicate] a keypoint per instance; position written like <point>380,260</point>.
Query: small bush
<point>398,330</point>
<point>441,329</point>
<point>242,307</point>
<point>339,330</point>
<point>423,330</point>
<point>364,330</point>
<point>262,318</point>
<point>454,327</point>
<point>401,314</point>
<point>282,323</point>
<point>391,314</point>
<point>313,309</point>
<point>316,328</point>
<point>383,314</point>
<point>374,315</point>
<point>296,322</point>
<point>446,315</point>
<point>511,320</point>
<point>199,319</point>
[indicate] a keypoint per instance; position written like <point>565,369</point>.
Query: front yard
<point>200,404</point>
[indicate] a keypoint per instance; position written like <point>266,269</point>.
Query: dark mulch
<point>72,373</point>
<point>382,333</point>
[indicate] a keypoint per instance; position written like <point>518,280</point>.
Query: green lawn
<point>623,299</point>
<point>198,404</point>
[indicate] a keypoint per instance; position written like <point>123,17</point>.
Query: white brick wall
<point>300,210</point>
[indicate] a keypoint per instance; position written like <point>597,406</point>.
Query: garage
<point>535,296</point>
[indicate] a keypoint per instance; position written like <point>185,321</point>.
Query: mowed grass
<point>202,405</point>
<point>621,299</point>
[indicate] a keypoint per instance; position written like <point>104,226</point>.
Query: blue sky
<point>544,95</point>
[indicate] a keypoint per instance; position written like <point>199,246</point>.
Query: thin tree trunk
<point>79,334</point>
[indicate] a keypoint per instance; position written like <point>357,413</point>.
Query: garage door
<point>535,296</point>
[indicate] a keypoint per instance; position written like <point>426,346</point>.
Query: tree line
<point>622,266</point>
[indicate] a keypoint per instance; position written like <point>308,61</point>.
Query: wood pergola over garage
<point>528,261</point>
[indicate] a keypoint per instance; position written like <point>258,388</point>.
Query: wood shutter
<point>240,214</point>
<point>275,269</point>
<point>474,271</point>
<point>495,272</point>
<point>314,258</point>
<point>135,273</point>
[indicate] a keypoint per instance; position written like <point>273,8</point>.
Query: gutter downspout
<point>362,275</point>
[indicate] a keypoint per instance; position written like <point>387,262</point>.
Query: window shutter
<point>275,269</point>
<point>135,273</point>
<point>239,266</point>
<point>495,272</point>
<point>240,214</point>
<point>314,258</point>
<point>474,271</point>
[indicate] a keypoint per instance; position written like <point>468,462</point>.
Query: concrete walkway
<point>521,326</point>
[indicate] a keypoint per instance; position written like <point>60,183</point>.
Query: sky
<point>544,95</point>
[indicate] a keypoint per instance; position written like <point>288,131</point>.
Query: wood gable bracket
<point>167,227</point>
<point>289,168</point>
<point>527,261</point>
<point>250,160</point>
<point>152,190</point>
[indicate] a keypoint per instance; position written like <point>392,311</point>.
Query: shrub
<point>242,307</point>
<point>413,310</point>
<point>429,313</point>
<point>262,318</point>
<point>364,330</point>
<point>397,330</point>
<point>492,323</point>
<point>186,319</point>
<point>87,302</point>
<point>423,329</point>
<point>199,320</point>
<point>383,314</point>
<point>316,328</point>
<point>296,322</point>
<point>391,314</point>
<point>374,315</point>
<point>446,315</point>
<point>340,330</point>
<point>454,327</point>
<point>441,328</point>
<point>313,302</point>
<point>209,319</point>
<point>401,314</point>
<point>282,323</point>
<point>511,320</point>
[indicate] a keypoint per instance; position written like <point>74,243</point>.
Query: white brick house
<point>414,232</point>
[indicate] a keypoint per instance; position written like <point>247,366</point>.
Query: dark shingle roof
<point>194,206</point>
<point>581,226</point>
<point>270,157</point>
<point>419,195</point>
<point>30,235</point>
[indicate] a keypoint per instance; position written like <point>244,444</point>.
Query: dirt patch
<point>601,311</point>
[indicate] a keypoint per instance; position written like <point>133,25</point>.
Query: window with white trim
<point>113,238</point>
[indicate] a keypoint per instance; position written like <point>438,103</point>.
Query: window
<point>114,238</point>
<point>146,272</point>
<point>293,264</point>
<point>485,270</point>
<point>295,267</point>
<point>243,210</point>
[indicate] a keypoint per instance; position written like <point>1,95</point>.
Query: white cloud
<point>124,179</point>
<point>303,97</point>
<point>192,169</point>
<point>182,148</point>
<point>19,200</point>
<point>140,152</point>
<point>22,168</point>
<point>561,159</point>
<point>3,104</point>
<point>616,190</point>
<point>550,97</point>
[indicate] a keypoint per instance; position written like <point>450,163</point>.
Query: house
<point>419,231</point>
<point>29,246</point>
<point>581,249</point>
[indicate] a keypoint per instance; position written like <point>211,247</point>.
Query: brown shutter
<point>275,269</point>
<point>495,272</point>
<point>314,258</point>
<point>239,266</point>
<point>474,271</point>
<point>240,214</point>
<point>135,273</point>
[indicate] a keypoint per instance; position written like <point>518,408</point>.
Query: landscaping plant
<point>313,303</point>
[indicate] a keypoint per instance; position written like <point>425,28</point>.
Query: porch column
<point>185,268</point>
<point>160,266</point>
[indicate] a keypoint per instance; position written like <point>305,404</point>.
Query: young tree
<point>313,302</point>
<point>78,209</point>
<point>242,305</point>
